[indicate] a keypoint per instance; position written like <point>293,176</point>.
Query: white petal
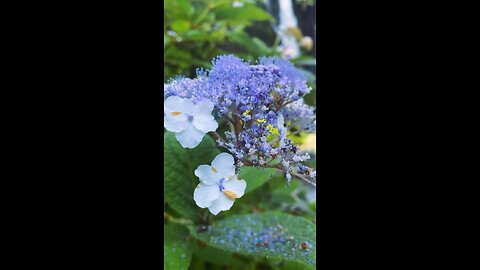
<point>207,175</point>
<point>202,116</point>
<point>235,186</point>
<point>223,163</point>
<point>280,121</point>
<point>281,130</point>
<point>178,104</point>
<point>221,204</point>
<point>203,107</point>
<point>204,195</point>
<point>175,123</point>
<point>281,126</point>
<point>190,137</point>
<point>205,123</point>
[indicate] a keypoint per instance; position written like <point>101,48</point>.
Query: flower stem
<point>237,125</point>
<point>280,167</point>
<point>303,178</point>
<point>172,219</point>
<point>215,135</point>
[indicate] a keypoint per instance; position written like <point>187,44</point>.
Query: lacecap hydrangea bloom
<point>219,185</point>
<point>261,103</point>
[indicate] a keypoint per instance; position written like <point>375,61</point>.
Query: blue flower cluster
<point>261,103</point>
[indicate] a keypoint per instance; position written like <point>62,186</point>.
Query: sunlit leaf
<point>255,177</point>
<point>180,26</point>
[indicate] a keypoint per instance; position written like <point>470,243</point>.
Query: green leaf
<point>279,183</point>
<point>166,40</point>
<point>179,178</point>
<point>255,177</point>
<point>243,15</point>
<point>293,266</point>
<point>180,26</point>
<point>216,3</point>
<point>178,54</point>
<point>200,63</point>
<point>264,49</point>
<point>255,48</point>
<point>196,35</point>
<point>280,197</point>
<point>313,206</point>
<point>186,7</point>
<point>177,250</point>
<point>178,8</point>
<point>268,235</point>
<point>305,60</point>
<point>200,15</point>
<point>217,256</point>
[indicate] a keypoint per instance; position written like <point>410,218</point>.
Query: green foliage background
<point>195,32</point>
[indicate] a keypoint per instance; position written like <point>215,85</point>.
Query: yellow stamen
<point>175,113</point>
<point>213,169</point>
<point>273,130</point>
<point>230,194</point>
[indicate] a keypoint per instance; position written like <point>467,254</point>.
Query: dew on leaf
<point>270,239</point>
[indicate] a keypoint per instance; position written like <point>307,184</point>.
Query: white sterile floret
<point>281,130</point>
<point>189,121</point>
<point>219,185</point>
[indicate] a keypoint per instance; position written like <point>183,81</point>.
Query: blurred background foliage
<point>196,31</point>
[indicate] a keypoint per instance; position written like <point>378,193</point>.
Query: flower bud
<point>306,43</point>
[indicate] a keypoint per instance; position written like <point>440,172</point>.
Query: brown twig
<point>237,125</point>
<point>215,135</point>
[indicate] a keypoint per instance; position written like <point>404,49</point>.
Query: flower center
<point>220,186</point>
<point>175,113</point>
<point>190,117</point>
<point>230,194</point>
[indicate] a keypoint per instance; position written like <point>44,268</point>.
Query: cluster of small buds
<point>257,100</point>
<point>300,115</point>
<point>179,86</point>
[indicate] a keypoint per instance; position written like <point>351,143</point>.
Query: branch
<point>237,125</point>
<point>280,167</point>
<point>215,135</point>
<point>181,221</point>
<point>303,178</point>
